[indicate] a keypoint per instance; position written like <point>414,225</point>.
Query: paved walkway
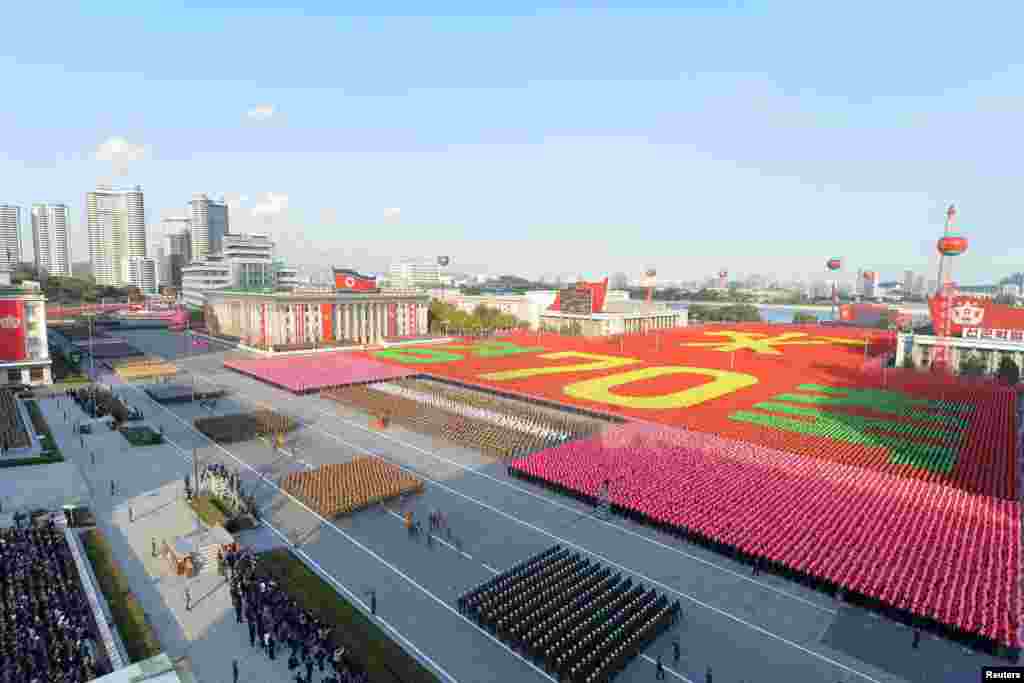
<point>149,480</point>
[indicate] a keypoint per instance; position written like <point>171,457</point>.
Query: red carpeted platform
<point>316,371</point>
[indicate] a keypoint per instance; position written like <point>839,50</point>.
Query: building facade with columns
<point>987,345</point>
<point>301,317</point>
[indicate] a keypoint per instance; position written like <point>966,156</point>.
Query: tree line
<point>443,316</point>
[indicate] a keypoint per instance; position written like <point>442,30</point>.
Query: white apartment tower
<point>209,224</point>
<point>117,231</point>
<point>10,235</point>
<point>50,238</point>
<point>415,273</point>
<point>141,272</point>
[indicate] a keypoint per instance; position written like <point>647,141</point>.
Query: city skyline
<point>664,152</point>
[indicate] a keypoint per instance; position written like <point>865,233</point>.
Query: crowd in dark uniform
<point>46,624</point>
<point>276,621</point>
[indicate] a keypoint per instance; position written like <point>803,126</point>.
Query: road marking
<point>642,656</point>
<point>691,598</point>
<point>330,577</point>
<point>372,554</point>
<point>559,504</point>
<point>436,537</point>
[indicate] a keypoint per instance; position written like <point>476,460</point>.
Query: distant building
<point>1011,290</point>
<point>309,318</point>
<point>527,307</point>
<point>871,281</point>
<point>10,235</point>
<point>24,352</point>
<point>50,238</point>
<point>589,306</point>
<point>908,282</point>
<point>421,273</point>
<point>919,285</point>
<point>209,225</point>
<point>245,263</point>
<point>116,220</point>
<point>141,272</point>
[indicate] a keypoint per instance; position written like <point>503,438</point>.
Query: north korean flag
<point>351,280</point>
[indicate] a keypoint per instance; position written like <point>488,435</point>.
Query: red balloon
<point>952,245</point>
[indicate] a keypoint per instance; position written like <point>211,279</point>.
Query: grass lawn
<point>50,452</point>
<point>142,436</point>
<point>210,510</point>
<point>384,660</point>
<point>137,635</point>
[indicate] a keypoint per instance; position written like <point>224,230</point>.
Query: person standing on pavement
<point>234,670</point>
<point>659,670</point>
<point>188,599</point>
<point>131,514</point>
<point>309,668</point>
<point>675,651</point>
<point>707,675</point>
<point>154,546</point>
<point>252,632</point>
<point>111,487</point>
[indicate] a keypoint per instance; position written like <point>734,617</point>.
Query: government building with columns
<point>295,318</point>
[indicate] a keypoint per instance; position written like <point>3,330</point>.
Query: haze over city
<point>537,140</point>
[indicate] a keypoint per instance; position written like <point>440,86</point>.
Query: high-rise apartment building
<point>919,285</point>
<point>141,272</point>
<point>858,284</point>
<point>415,273</point>
<point>245,262</point>
<point>209,226</point>
<point>50,238</point>
<point>908,282</point>
<point>10,235</point>
<point>116,220</point>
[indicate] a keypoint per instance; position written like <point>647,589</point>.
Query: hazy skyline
<point>757,137</point>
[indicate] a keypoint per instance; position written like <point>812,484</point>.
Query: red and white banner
<point>264,325</point>
<point>300,322</point>
<point>966,312</point>
<point>392,320</point>
<point>410,320</point>
<point>12,331</point>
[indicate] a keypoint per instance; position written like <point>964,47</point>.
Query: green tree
<point>972,365</point>
<point>908,362</point>
<point>1008,372</point>
<point>803,318</point>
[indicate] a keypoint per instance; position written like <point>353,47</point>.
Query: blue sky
<point>759,137</point>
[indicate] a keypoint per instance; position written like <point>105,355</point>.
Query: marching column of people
<point>47,632</point>
<point>276,620</point>
<point>571,615</point>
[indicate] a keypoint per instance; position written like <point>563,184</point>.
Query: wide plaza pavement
<point>747,629</point>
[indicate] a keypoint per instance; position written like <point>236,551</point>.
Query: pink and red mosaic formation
<point>953,556</point>
<point>316,371</point>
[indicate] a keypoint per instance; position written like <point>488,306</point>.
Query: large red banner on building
<point>410,320</point>
<point>327,321</point>
<point>300,323</point>
<point>974,312</point>
<point>12,331</point>
<point>351,280</point>
<point>392,320</point>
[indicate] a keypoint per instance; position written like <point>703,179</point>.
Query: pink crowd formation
<point>928,548</point>
<point>316,371</point>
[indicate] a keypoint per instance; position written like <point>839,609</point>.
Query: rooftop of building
<point>311,293</point>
